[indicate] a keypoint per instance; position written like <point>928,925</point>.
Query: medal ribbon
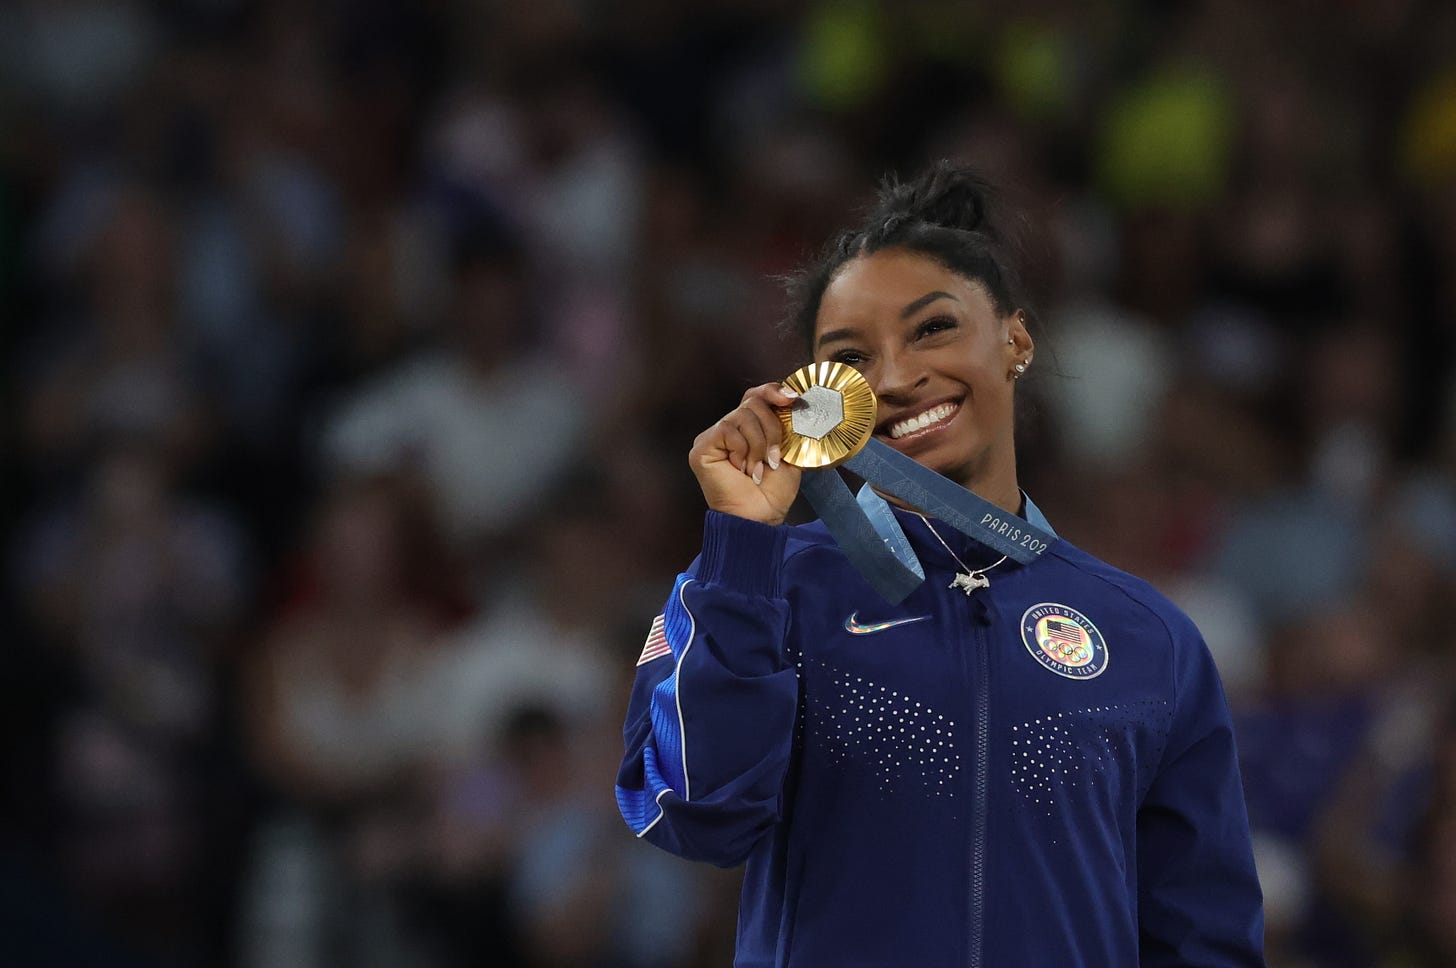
<point>873,540</point>
<point>889,565</point>
<point>967,512</point>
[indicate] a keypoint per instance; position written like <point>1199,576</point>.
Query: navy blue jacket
<point>1039,774</point>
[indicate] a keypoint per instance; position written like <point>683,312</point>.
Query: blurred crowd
<point>353,349</point>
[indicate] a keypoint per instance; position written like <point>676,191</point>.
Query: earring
<point>1020,368</point>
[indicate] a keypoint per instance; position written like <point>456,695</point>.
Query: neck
<point>1005,494</point>
<point>995,478</point>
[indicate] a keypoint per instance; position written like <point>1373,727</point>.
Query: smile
<point>930,419</point>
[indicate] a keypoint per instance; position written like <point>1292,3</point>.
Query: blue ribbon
<point>886,561</point>
<point>869,535</point>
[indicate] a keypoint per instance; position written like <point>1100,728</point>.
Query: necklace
<point>969,579</point>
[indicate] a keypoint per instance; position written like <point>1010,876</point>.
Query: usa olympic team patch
<point>1064,641</point>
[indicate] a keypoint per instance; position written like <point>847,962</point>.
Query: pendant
<point>970,582</point>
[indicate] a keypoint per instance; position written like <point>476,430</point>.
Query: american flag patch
<point>1064,631</point>
<point>656,645</point>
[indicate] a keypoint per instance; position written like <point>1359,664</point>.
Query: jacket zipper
<point>983,618</point>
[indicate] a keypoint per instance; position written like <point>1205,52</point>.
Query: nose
<point>898,377</point>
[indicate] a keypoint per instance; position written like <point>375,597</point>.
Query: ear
<point>1019,344</point>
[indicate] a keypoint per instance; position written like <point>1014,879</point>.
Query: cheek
<point>982,357</point>
<point>989,384</point>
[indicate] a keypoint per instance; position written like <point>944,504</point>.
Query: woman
<point>1032,768</point>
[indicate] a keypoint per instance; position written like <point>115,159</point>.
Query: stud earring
<point>1020,368</point>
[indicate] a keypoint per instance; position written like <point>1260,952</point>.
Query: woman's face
<point>940,359</point>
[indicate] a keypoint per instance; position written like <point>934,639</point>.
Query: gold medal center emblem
<point>833,418</point>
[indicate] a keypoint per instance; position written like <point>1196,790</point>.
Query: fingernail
<point>773,456</point>
<point>788,392</point>
<point>758,473</point>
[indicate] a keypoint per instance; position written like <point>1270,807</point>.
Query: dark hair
<point>949,213</point>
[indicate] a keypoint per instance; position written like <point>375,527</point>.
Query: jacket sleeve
<point>1199,902</point>
<point>710,726</point>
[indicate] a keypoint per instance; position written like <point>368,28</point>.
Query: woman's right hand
<point>737,460</point>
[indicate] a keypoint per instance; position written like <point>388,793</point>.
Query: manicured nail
<point>758,473</point>
<point>788,392</point>
<point>773,456</point>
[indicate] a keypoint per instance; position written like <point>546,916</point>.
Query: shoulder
<point>1131,600</point>
<point>1149,632</point>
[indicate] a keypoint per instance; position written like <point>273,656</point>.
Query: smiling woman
<point>1024,762</point>
<point>941,359</point>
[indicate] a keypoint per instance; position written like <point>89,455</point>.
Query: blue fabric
<point>1032,513</point>
<point>677,621</point>
<point>663,761</point>
<point>882,517</point>
<point>866,531</point>
<point>888,565</point>
<point>967,512</point>
<point>933,793</point>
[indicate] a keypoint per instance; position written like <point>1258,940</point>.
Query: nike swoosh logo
<point>855,628</point>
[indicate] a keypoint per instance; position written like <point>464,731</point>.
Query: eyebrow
<point>924,301</point>
<point>835,335</point>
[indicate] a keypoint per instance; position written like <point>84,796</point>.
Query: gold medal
<point>833,418</point>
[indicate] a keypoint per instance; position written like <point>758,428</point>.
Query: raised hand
<point>737,460</point>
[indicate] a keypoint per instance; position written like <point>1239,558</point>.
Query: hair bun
<point>944,195</point>
<point>949,214</point>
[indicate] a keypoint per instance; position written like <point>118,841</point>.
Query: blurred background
<point>353,349</point>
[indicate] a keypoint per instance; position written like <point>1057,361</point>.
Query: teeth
<point>922,420</point>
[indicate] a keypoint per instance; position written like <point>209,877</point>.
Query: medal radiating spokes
<point>833,418</point>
